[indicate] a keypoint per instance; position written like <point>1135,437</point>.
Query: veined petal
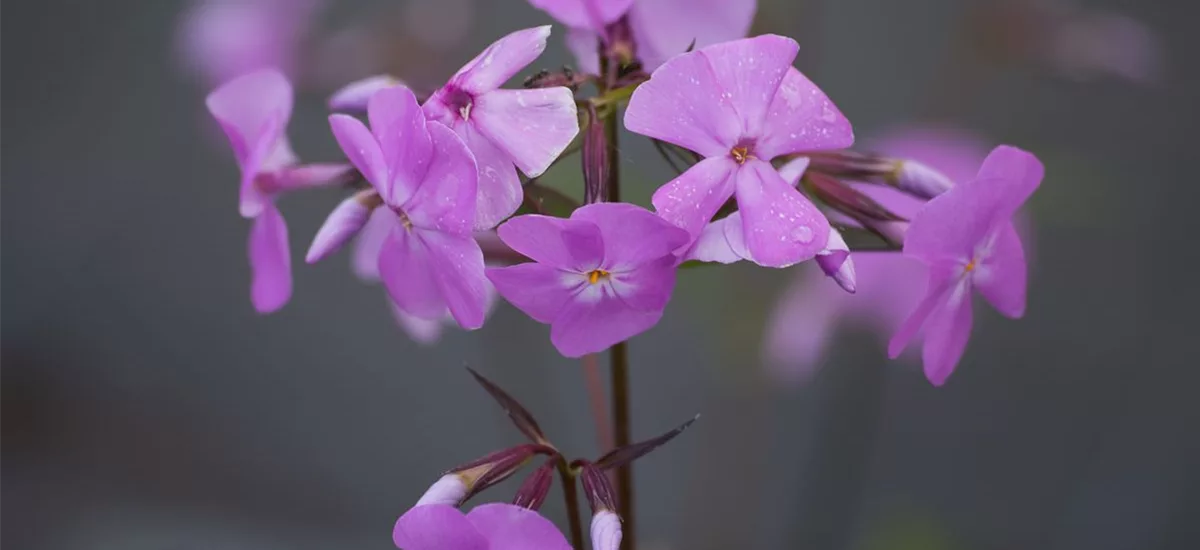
<point>749,71</point>
<point>503,59</point>
<point>666,28</point>
<point>571,245</point>
<point>594,325</point>
<point>354,96</point>
<point>342,225</point>
<point>647,288</point>
<point>577,14</point>
<point>781,227</point>
<point>632,235</point>
<point>537,289</point>
<point>437,527</point>
<point>684,103</point>
<point>498,189</point>
<point>408,273</point>
<point>445,198</point>
<point>365,260</point>
<point>398,124</point>
<point>270,261</point>
<point>946,334</point>
<point>363,151</point>
<point>1001,274</point>
<point>802,118</point>
<point>509,527</point>
<point>457,264</point>
<point>690,200</point>
<point>532,126</point>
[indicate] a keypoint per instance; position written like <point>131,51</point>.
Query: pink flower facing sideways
<point>660,29</point>
<point>966,237</point>
<point>425,178</point>
<point>254,110</point>
<point>505,129</point>
<point>487,527</point>
<point>598,278</point>
<point>740,104</point>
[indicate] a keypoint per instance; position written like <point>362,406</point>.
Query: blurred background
<point>146,405</point>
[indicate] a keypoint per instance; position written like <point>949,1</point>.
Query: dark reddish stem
<point>572,500</point>
<point>595,390</point>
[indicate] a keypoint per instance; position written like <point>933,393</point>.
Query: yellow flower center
<point>597,275</point>
<point>970,266</point>
<point>740,154</point>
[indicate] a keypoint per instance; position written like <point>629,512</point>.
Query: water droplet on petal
<point>803,234</point>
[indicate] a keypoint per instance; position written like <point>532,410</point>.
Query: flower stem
<point>572,500</point>
<point>595,390</point>
<point>620,399</point>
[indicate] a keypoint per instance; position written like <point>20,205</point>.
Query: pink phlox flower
<point>424,176</point>
<point>491,526</point>
<point>505,129</point>
<point>740,104</point>
<point>598,278</point>
<point>224,39</point>
<point>967,238</point>
<point>254,111</point>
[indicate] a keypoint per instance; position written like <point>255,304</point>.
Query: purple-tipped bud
<point>451,489</point>
<point>496,467</point>
<point>606,530</point>
<point>597,487</point>
<point>342,225</point>
<point>533,492</point>
<point>595,160</point>
<point>354,96</point>
<point>836,262</point>
<point>919,180</point>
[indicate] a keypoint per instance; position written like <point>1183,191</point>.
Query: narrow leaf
<point>624,455</point>
<point>518,414</point>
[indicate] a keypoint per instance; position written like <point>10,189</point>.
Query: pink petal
<point>690,200</point>
<point>1021,172</point>
<point>946,335</point>
<point>354,96</point>
<point>1001,273</point>
<point>398,124</point>
<point>342,225</point>
<point>571,245</point>
<point>509,527</point>
<point>780,225</point>
<point>499,192</point>
<point>750,71</point>
<point>584,14</point>
<point>422,331</point>
<point>585,46</point>
<point>711,245</point>
<point>647,288</point>
<point>794,170</point>
<point>445,198</point>
<point>270,261</point>
<point>531,126</point>
<point>683,103</point>
<point>457,268</point>
<point>363,151</point>
<point>309,176</point>
<point>365,260</point>
<point>253,197</point>
<point>592,326</point>
<point>943,281</point>
<point>503,59</point>
<point>437,527</point>
<point>409,274</point>
<point>735,236</point>
<point>665,28</point>
<point>802,118</point>
<point>536,289</point>
<point>632,235</point>
<point>245,105</point>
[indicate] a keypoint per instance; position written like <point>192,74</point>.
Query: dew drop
<point>803,234</point>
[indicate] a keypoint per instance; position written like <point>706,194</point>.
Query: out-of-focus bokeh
<point>146,406</point>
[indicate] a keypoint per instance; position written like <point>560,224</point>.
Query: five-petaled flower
<point>740,104</point>
<point>966,237</point>
<point>503,128</point>
<point>254,110</point>
<point>598,278</point>
<point>425,177</point>
<point>492,526</point>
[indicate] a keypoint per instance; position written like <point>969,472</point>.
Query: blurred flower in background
<point>223,39</point>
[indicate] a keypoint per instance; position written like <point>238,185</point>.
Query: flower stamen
<point>970,266</point>
<point>596,275</point>
<point>740,154</point>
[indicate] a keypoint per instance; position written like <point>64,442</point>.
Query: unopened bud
<point>595,159</point>
<point>836,262</point>
<point>343,224</point>
<point>892,231</point>
<point>918,179</point>
<point>597,487</point>
<point>450,489</point>
<point>534,490</point>
<point>606,530</point>
<point>496,467</point>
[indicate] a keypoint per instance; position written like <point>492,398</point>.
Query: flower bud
<point>918,179</point>
<point>892,231</point>
<point>835,261</point>
<point>534,490</point>
<point>595,159</point>
<point>343,224</point>
<point>496,467</point>
<point>606,530</point>
<point>450,489</point>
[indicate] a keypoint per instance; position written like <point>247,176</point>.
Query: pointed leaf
<point>518,414</point>
<point>624,455</point>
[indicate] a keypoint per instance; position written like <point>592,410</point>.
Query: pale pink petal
<point>437,527</point>
<point>499,192</point>
<point>750,71</point>
<point>500,61</point>
<point>571,245</point>
<point>1021,172</point>
<point>606,530</point>
<point>270,261</point>
<point>365,260</point>
<point>245,105</point>
<point>509,527</point>
<point>946,335</point>
<point>690,200</point>
<point>422,331</point>
<point>647,288</point>
<point>532,127</point>
<point>342,225</point>
<point>354,96</point>
<point>666,28</point>
<point>951,227</point>
<point>445,197</point>
<point>802,118</point>
<point>683,103</point>
<point>585,46</point>
<point>632,235</point>
<point>943,281</point>
<point>398,124</point>
<point>310,176</point>
<point>735,236</point>
<point>363,151</point>
<point>584,14</point>
<point>793,170</point>
<point>1000,274</point>
<point>457,264</point>
<point>252,195</point>
<point>536,289</point>
<point>781,227</point>
<point>711,245</point>
<point>407,270</point>
<point>592,326</point>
